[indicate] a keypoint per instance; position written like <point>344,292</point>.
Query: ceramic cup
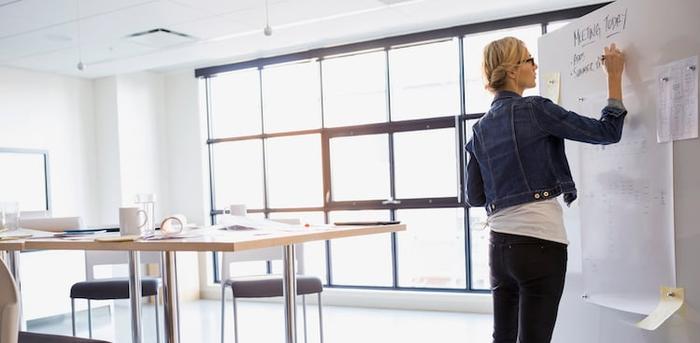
<point>132,220</point>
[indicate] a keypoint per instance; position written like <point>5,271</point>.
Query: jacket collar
<point>505,95</point>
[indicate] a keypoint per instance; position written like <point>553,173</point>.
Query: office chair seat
<point>31,337</point>
<point>116,288</point>
<point>271,286</point>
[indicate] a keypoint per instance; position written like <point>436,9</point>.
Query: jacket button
<point>546,194</point>
<point>537,195</point>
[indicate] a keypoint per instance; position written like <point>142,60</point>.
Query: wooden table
<point>207,239</point>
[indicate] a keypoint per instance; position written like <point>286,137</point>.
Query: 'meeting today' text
<point>609,26</point>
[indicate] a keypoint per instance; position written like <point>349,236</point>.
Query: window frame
<point>456,121</point>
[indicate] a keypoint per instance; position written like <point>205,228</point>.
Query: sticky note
<point>552,83</point>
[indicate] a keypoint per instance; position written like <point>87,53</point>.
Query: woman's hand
<point>614,62</point>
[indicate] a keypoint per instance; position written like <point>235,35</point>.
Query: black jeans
<point>527,280</point>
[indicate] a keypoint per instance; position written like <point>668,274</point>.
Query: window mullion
<point>461,158</point>
<point>392,183</point>
<point>266,194</point>
<point>210,147</point>
<point>326,165</point>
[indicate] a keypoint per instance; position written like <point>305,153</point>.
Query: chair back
<point>53,224</point>
<point>263,254</point>
<point>9,306</point>
<point>95,258</point>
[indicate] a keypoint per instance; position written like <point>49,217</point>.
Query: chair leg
<point>223,311</point>
<point>157,319</point>
<point>72,314</point>
<point>235,320</point>
<point>320,317</point>
<point>303,311</point>
<point>89,319</point>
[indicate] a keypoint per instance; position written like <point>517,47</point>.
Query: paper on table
<point>11,236</point>
<point>244,223</point>
<point>72,234</point>
<point>236,223</point>
<point>161,237</point>
<point>127,238</point>
<point>671,300</point>
<point>677,100</point>
<point>552,83</point>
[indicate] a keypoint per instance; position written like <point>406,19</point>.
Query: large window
<point>365,132</point>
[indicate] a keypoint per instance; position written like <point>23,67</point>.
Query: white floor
<point>264,322</point>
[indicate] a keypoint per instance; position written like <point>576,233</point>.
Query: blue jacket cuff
<point>616,104</point>
<point>615,108</point>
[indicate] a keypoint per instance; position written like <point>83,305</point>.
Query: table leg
<point>170,297</point>
<point>135,295</point>
<point>13,266</point>
<point>290,292</point>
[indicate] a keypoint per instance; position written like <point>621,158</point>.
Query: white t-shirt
<point>539,219</point>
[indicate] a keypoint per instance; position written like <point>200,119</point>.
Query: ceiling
<point>54,35</point>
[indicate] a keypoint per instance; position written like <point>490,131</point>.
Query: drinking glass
<point>147,202</point>
<point>9,216</point>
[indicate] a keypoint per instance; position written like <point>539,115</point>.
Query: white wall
<point>54,113</point>
<point>107,150</point>
<point>131,142</point>
<point>142,137</point>
<point>186,129</point>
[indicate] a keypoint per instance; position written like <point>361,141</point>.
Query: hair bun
<point>498,77</point>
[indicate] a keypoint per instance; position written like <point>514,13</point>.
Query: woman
<point>517,168</point>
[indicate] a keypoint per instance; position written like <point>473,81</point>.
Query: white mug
<point>238,210</point>
<point>131,220</point>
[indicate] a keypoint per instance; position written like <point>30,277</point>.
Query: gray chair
<point>98,289</point>
<point>112,288</point>
<point>265,286</point>
<point>9,316</point>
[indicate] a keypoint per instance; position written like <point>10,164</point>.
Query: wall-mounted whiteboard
<point>626,189</point>
<point>24,178</point>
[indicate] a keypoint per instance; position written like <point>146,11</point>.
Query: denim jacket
<point>516,153</point>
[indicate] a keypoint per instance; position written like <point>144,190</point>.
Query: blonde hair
<point>500,57</point>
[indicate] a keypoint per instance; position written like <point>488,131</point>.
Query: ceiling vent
<point>160,38</point>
